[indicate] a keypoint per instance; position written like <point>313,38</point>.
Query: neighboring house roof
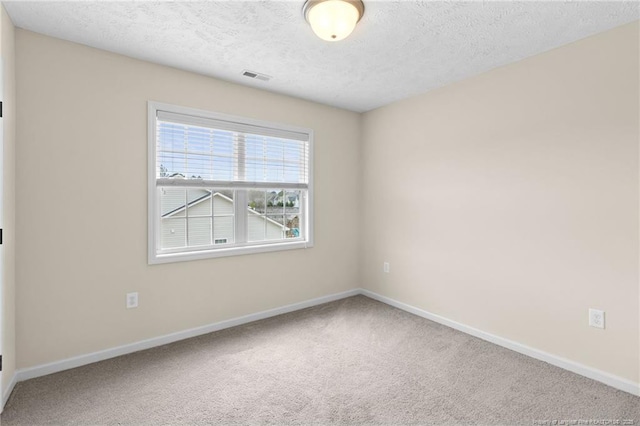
<point>191,204</point>
<point>207,196</point>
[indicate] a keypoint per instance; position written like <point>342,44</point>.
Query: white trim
<point>2,249</point>
<point>7,392</point>
<point>583,370</point>
<point>225,251</point>
<point>153,201</point>
<point>78,361</point>
<point>308,206</point>
<point>566,364</point>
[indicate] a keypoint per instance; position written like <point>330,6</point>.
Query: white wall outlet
<point>596,318</point>
<point>386,267</point>
<point>132,300</point>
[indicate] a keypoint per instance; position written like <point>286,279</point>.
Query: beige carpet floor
<point>354,361</point>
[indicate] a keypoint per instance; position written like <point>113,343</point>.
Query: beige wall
<point>509,201</point>
<point>82,126</point>
<point>7,47</point>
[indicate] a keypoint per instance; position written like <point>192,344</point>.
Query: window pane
<point>171,146</point>
<point>223,202</point>
<point>275,229</point>
<point>172,202</point>
<point>173,233</point>
<point>257,200</point>
<point>223,229</point>
<point>171,164</point>
<point>266,214</point>
<point>292,214</point>
<point>199,202</point>
<point>274,214</point>
<point>257,226</point>
<point>194,152</point>
<point>209,213</point>
<point>275,159</point>
<point>199,231</point>
<point>224,213</point>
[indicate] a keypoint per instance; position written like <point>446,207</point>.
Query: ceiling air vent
<point>256,75</point>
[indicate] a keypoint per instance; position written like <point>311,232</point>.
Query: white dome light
<point>333,20</point>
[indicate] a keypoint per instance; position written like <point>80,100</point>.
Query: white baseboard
<point>78,361</point>
<point>7,392</point>
<point>581,369</point>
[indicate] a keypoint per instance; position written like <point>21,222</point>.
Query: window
<point>222,185</point>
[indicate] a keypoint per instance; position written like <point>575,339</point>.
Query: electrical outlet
<point>386,267</point>
<point>132,300</point>
<point>596,318</point>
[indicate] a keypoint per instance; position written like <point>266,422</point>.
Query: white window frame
<point>153,217</point>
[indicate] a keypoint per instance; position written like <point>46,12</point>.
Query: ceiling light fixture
<point>333,20</point>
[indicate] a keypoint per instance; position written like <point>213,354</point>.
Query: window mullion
<point>264,219</point>
<point>241,215</point>
<point>186,217</point>
<point>213,215</point>
<point>302,214</point>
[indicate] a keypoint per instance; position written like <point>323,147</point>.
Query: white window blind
<point>199,151</point>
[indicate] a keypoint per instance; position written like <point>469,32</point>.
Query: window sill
<point>155,258</point>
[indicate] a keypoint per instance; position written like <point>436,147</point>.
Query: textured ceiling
<point>399,48</point>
